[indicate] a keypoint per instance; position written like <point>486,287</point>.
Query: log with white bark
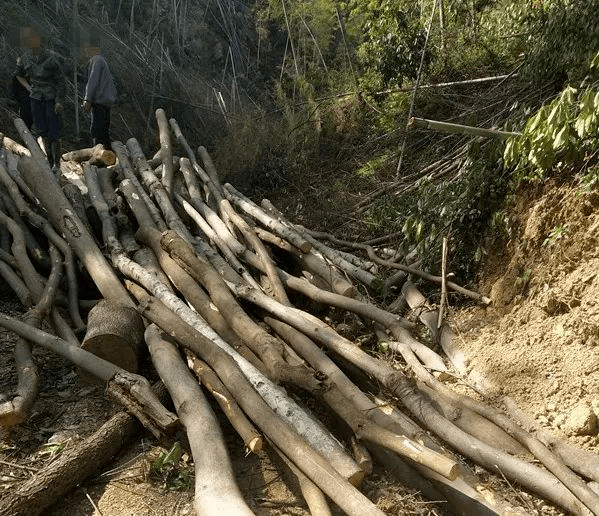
<point>277,400</point>
<point>314,466</point>
<point>166,152</point>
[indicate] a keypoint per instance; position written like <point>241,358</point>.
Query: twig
<point>20,466</point>
<point>96,508</point>
<point>443,282</point>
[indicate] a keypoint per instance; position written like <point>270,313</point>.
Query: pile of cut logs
<point>204,278</point>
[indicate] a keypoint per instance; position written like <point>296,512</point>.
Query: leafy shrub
<point>559,136</point>
<point>564,35</point>
<point>463,206</point>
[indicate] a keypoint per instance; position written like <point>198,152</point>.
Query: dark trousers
<point>46,122</point>
<point>100,125</point>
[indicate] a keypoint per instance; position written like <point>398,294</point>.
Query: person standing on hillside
<point>100,93</point>
<point>39,71</point>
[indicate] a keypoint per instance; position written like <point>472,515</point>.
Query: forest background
<point>310,98</point>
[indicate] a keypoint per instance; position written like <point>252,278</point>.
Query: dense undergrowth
<point>343,114</point>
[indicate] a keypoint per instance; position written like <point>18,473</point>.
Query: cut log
<point>71,467</point>
<point>114,333</point>
<point>97,155</point>
<point>347,497</point>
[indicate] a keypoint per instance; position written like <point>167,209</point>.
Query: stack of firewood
<point>203,278</point>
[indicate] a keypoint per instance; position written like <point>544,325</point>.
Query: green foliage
<point>393,39</point>
<point>556,234</point>
<point>564,35</point>
<point>464,206</point>
<point>558,136</point>
<point>166,466</point>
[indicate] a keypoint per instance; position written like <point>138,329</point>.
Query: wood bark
<point>166,152</point>
<point>97,155</point>
<point>63,218</point>
<point>347,497</point>
<point>216,492</point>
<point>306,426</point>
<point>73,465</point>
<point>251,437</point>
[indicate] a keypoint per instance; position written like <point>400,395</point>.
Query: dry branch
<point>216,491</point>
<point>348,498</point>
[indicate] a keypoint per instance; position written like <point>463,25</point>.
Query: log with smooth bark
<point>268,221</point>
<point>314,466</point>
<point>314,497</point>
<point>216,492</point>
<point>277,400</point>
<point>195,294</point>
<point>166,152</point>
<point>267,347</point>
<point>429,317</point>
<point>529,476</point>
<point>135,188</point>
<point>157,190</point>
<point>314,263</point>
<point>251,437</point>
<point>65,221</point>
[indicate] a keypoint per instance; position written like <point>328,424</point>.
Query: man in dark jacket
<point>40,72</point>
<point>100,93</point>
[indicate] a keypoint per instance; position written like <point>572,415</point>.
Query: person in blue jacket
<point>100,93</point>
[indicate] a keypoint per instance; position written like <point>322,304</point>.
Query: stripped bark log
<point>251,437</point>
<point>166,152</point>
<point>216,492</point>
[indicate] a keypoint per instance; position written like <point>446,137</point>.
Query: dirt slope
<point>539,342</point>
